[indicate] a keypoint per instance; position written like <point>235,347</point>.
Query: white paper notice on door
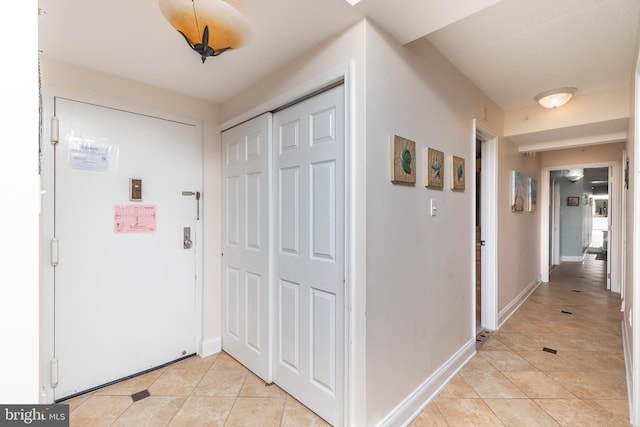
<point>134,219</point>
<point>87,154</point>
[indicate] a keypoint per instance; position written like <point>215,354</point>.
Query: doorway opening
<point>580,217</point>
<point>580,220</point>
<point>485,247</point>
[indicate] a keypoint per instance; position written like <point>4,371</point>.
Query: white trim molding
<point>515,303</point>
<point>628,364</point>
<point>489,228</point>
<point>210,346</point>
<point>576,258</point>
<point>414,403</point>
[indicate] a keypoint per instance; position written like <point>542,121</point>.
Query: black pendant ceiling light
<point>211,27</point>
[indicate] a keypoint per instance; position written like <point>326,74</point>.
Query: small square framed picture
<point>434,168</point>
<point>403,160</point>
<point>573,201</point>
<point>457,173</point>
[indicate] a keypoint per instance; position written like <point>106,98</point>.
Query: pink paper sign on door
<point>134,219</point>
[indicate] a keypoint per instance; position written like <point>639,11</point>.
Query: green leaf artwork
<point>457,173</point>
<point>437,168</point>
<point>405,160</point>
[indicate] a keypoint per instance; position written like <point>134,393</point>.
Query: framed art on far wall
<point>532,197</point>
<point>517,191</point>
<point>573,201</point>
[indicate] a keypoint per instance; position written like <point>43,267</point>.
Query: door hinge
<point>608,275</point>
<point>55,251</point>
<point>54,373</point>
<point>55,130</point>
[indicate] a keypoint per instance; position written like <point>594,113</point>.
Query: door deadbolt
<point>186,240</point>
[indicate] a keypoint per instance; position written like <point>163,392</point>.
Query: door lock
<point>186,241</point>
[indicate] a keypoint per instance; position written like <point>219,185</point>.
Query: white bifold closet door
<point>284,249</point>
<point>245,244</point>
<point>309,196</point>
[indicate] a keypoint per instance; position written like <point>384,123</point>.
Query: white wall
<point>583,155</point>
<point>20,190</point>
<point>419,268</point>
<point>518,232</point>
<point>571,221</point>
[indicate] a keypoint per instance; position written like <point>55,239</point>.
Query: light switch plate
<point>433,207</point>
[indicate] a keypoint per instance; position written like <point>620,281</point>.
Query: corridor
<point>579,380</point>
<point>512,381</point>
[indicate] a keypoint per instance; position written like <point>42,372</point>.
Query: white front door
<point>309,253</point>
<point>245,244</point>
<point>125,283</point>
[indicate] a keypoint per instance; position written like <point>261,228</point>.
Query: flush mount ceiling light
<point>555,98</point>
<point>211,27</point>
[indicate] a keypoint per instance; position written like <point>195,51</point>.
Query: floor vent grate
<point>140,395</point>
<point>481,337</point>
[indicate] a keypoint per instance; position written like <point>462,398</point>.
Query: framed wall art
<point>403,160</point>
<point>434,168</point>
<point>532,197</point>
<point>517,191</point>
<point>626,173</point>
<point>458,174</point>
<point>573,201</point>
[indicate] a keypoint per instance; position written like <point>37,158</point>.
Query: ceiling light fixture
<point>211,27</point>
<point>574,178</point>
<point>555,98</point>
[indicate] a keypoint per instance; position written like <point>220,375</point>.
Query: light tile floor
<point>211,391</point>
<point>510,382</point>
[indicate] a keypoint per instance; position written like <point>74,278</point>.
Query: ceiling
<point>596,178</point>
<point>511,49</point>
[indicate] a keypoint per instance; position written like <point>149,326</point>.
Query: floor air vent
<point>140,395</point>
<point>481,337</point>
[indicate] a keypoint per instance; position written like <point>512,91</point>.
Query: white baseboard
<point>210,346</point>
<point>576,258</point>
<point>511,308</point>
<point>411,406</point>
<point>628,364</point>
